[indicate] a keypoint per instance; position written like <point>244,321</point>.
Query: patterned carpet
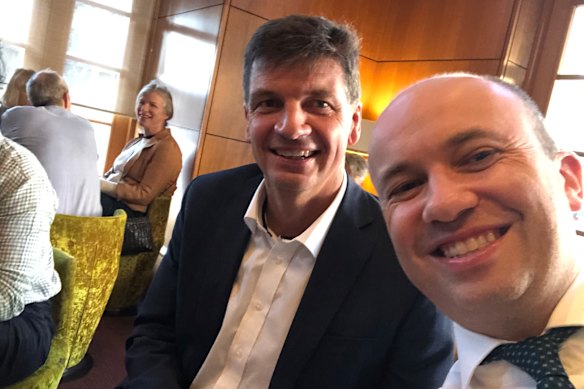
<point>107,351</point>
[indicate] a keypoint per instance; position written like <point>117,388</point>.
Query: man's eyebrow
<point>471,134</point>
<point>261,93</point>
<point>395,170</point>
<point>320,93</point>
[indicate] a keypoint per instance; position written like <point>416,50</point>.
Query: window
<point>99,48</point>
<point>565,115</point>
<point>94,61</point>
<point>14,33</point>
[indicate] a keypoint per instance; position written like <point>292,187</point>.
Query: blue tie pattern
<point>538,357</point>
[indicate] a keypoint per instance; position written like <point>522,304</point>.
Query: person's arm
<point>424,351</point>
<point>161,172</point>
<point>27,206</point>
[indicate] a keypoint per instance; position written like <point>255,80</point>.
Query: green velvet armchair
<point>49,374</point>
<point>136,270</point>
<point>95,243</point>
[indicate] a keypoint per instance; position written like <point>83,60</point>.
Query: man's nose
<point>292,122</point>
<point>448,197</point>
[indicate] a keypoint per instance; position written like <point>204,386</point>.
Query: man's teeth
<point>463,247</point>
<point>295,153</point>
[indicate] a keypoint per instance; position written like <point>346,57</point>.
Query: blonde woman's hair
<point>16,88</point>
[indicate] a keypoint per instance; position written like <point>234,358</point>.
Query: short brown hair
<point>296,38</point>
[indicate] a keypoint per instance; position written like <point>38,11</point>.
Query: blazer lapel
<point>221,263</point>
<point>345,251</point>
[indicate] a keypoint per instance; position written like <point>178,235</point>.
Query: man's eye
<point>484,154</point>
<point>267,105</point>
<point>319,105</point>
<point>480,159</point>
<point>404,189</point>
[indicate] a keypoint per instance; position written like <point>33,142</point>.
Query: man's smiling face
<point>299,125</point>
<point>471,201</point>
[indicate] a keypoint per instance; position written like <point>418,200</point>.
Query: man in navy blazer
<point>281,274</point>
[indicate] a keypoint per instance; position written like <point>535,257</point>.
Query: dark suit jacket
<point>360,323</point>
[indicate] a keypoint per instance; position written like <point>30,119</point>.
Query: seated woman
<point>15,93</point>
<point>148,165</point>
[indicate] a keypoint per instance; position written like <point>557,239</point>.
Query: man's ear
<point>355,133</point>
<point>571,170</point>
<point>66,101</point>
<point>246,113</point>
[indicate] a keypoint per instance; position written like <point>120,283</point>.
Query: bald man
<point>479,204</point>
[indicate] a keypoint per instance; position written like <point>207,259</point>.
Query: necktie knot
<point>538,357</point>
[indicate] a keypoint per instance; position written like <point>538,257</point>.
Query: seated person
<point>27,276</point>
<point>280,274</point>
<point>148,165</point>
<point>356,167</point>
<point>15,93</point>
<point>63,142</point>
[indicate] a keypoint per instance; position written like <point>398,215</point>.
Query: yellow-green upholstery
<point>49,374</point>
<point>95,243</point>
<point>136,270</point>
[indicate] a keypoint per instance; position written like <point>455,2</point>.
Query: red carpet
<point>107,351</point>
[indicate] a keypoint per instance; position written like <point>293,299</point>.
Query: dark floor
<point>107,351</point>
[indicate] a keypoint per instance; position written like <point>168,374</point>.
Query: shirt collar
<point>473,347</point>
<point>313,237</point>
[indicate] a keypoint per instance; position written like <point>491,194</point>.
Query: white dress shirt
<point>270,283</point>
<point>473,348</point>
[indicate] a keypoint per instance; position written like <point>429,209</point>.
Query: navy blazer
<point>360,323</point>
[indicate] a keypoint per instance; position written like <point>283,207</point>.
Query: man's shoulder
<point>60,112</point>
<point>225,183</point>
<point>18,163</point>
<point>18,113</point>
<point>231,176</point>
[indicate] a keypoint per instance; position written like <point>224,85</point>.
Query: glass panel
<point>16,16</point>
<point>92,85</point>
<point>102,135</point>
<point>122,5</point>
<point>101,129</point>
<point>565,116</point>
<point>13,57</point>
<point>98,35</point>
<point>573,56</point>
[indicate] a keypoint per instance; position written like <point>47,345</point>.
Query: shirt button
<point>259,306</point>
<point>238,353</point>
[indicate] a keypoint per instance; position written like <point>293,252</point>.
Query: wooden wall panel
<point>123,129</point>
<point>552,32</point>
<point>175,7</point>
<point>403,41</point>
<point>367,70</point>
<point>447,29</point>
<point>409,29</point>
<point>364,15</point>
<point>227,115</point>
<point>514,73</point>
<point>525,31</point>
<point>221,153</point>
<point>392,77</point>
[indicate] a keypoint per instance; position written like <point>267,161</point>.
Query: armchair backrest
<point>136,270</point>
<point>95,243</point>
<point>49,374</point>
